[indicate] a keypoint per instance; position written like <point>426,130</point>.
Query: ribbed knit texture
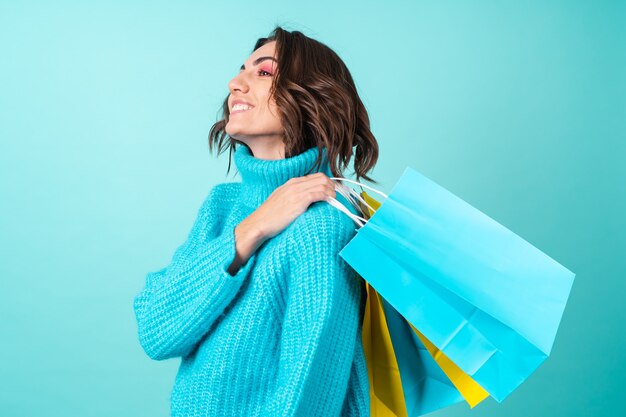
<point>280,338</point>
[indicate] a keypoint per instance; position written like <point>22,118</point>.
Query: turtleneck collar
<point>260,177</point>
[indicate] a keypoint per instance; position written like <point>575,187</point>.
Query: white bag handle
<point>360,221</point>
<point>351,195</point>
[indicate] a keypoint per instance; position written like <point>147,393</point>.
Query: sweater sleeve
<point>180,302</point>
<point>321,323</point>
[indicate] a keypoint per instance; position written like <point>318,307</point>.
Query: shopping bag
<point>486,298</point>
<point>425,386</point>
<point>466,386</point>
<point>407,385</point>
<point>418,381</point>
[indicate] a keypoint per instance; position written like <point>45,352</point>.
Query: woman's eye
<point>261,72</point>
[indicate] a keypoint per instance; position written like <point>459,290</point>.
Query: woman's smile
<point>240,108</point>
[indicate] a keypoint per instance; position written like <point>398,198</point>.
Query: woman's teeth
<point>240,107</point>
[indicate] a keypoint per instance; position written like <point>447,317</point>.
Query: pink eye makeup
<point>271,69</point>
<point>267,69</point>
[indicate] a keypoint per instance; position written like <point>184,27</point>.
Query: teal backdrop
<point>517,107</point>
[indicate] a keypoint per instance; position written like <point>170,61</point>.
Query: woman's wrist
<point>248,237</point>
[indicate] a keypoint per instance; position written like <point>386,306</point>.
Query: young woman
<point>264,313</point>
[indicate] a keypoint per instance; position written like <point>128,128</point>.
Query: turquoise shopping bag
<point>485,297</point>
<point>426,387</point>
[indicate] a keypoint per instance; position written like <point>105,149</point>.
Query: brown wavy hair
<point>318,106</point>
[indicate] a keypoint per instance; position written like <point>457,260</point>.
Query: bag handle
<point>360,221</point>
<point>351,195</point>
<point>361,184</point>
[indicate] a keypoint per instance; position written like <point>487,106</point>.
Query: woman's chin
<point>231,130</point>
<point>235,134</point>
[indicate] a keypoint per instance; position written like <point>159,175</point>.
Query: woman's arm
<point>321,321</point>
<point>180,302</point>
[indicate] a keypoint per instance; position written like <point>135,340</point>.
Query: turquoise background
<point>517,107</point>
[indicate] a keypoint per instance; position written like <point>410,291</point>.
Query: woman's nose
<point>239,82</point>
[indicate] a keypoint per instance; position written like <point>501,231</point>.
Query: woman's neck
<point>260,177</point>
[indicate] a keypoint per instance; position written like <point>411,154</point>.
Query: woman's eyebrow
<point>258,60</point>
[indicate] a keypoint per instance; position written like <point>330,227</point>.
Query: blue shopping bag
<point>485,297</point>
<point>425,386</point>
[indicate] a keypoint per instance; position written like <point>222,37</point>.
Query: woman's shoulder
<point>221,196</point>
<point>318,235</point>
<point>225,191</point>
<point>324,224</point>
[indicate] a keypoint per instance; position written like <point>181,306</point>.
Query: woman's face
<point>253,113</point>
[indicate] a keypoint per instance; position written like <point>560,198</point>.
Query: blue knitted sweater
<point>282,337</point>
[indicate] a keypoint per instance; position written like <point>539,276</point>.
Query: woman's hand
<point>280,209</point>
<point>289,201</point>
